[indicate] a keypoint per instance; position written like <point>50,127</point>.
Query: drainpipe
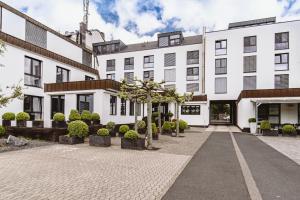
<point>203,59</point>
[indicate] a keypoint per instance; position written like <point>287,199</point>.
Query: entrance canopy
<point>285,100</point>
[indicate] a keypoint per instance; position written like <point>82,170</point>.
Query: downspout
<point>203,59</point>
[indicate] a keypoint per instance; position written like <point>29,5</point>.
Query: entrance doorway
<point>222,112</point>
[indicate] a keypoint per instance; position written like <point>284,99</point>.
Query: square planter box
<point>38,124</point>
<point>138,144</point>
<point>64,139</point>
<point>290,135</point>
<point>99,141</point>
<point>6,123</point>
<point>164,132</point>
<point>113,133</point>
<point>121,134</point>
<point>96,122</point>
<point>56,124</point>
<point>269,133</point>
<point>21,123</point>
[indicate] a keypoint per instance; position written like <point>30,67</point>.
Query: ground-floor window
<point>85,102</point>
<point>123,106</point>
<point>269,112</point>
<point>113,105</point>
<point>57,104</point>
<point>190,109</point>
<point>132,107</point>
<point>33,105</point>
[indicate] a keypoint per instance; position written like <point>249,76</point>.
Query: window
<point>123,107</point>
<point>32,75</point>
<point>170,86</point>
<point>170,59</point>
<point>281,81</point>
<point>170,75</point>
<point>85,102</point>
<point>281,61</point>
<point>113,105</point>
<point>221,85</point>
<point>281,41</point>
<point>131,108</point>
<point>175,40</point>
<point>111,76</point>
<point>221,47</point>
<point>87,58</point>
<point>192,74</point>
<point>269,112</point>
<point>190,109</point>
<point>35,35</point>
<point>163,41</point>
<point>57,104</point>
<point>88,78</point>
<point>170,40</point>
<point>33,105</point>
<point>129,76</point>
<point>221,66</point>
<point>148,75</point>
<point>249,82</point>
<point>62,75</point>
<point>192,57</point>
<point>249,64</point>
<point>250,44</point>
<point>111,65</point>
<point>148,61</point>
<point>192,87</point>
<point>129,63</point>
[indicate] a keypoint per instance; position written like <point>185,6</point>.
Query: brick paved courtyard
<point>83,172</point>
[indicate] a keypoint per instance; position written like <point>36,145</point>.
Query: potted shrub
<point>141,127</point>
<point>132,140</point>
<point>265,127</point>
<point>74,115</point>
<point>2,131</point>
<point>289,130</point>
<point>38,124</point>
<point>182,126</point>
<point>22,118</point>
<point>123,129</point>
<point>7,118</point>
<point>77,131</point>
<point>95,118</point>
<point>111,128</point>
<point>167,128</point>
<point>154,132</point>
<point>86,116</point>
<point>169,115</point>
<point>102,139</point>
<point>59,121</point>
<point>252,124</point>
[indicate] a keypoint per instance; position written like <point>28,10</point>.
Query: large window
<point>250,44</point>
<point>129,63</point>
<point>221,66</point>
<point>123,107</point>
<point>221,47</point>
<point>192,74</point>
<point>192,57</point>
<point>269,112</point>
<point>132,107</point>
<point>170,59</point>
<point>85,102</point>
<point>33,71</point>
<point>281,61</point>
<point>88,78</point>
<point>148,61</point>
<point>129,77</point>
<point>111,65</point>
<point>249,82</point>
<point>33,105</point>
<point>57,104</point>
<point>111,76</point>
<point>170,75</point>
<point>249,64</point>
<point>281,81</point>
<point>221,85</point>
<point>170,40</point>
<point>281,41</point>
<point>148,75</point>
<point>62,75</point>
<point>192,87</point>
<point>113,105</point>
<point>190,109</point>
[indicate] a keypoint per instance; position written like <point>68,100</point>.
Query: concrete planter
<point>290,134</point>
<point>181,130</point>
<point>269,133</point>
<point>6,123</point>
<point>64,139</point>
<point>21,123</point>
<point>112,133</point>
<point>138,144</point>
<point>253,127</point>
<point>38,124</point>
<point>99,141</point>
<point>56,124</point>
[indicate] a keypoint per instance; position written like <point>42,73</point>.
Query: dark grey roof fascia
<point>254,22</point>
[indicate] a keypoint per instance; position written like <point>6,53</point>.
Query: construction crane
<point>86,12</point>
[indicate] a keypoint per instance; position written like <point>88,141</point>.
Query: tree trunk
<point>135,116</point>
<point>177,119</point>
<point>149,121</point>
<point>159,117</point>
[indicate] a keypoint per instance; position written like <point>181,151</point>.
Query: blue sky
<point>140,20</point>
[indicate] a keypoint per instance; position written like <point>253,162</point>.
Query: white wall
<point>13,24</point>
<point>289,113</point>
<point>245,110</point>
<point>197,120</point>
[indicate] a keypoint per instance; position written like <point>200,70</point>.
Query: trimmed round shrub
<point>170,114</point>
<point>86,115</point>
<point>251,120</point>
<point>154,129</point>
<point>9,116</point>
<point>131,135</point>
<point>74,115</point>
<point>95,116</point>
<point>110,125</point>
<point>59,117</point>
<point>265,125</point>
<point>288,129</point>
<point>123,129</point>
<point>23,116</point>
<point>155,114</point>
<point>103,132</point>
<point>2,131</point>
<point>78,128</point>
<point>141,124</point>
<point>183,124</point>
<point>173,125</point>
<point>167,126</point>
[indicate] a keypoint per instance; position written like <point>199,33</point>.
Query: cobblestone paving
<point>83,172</point>
<point>289,146</point>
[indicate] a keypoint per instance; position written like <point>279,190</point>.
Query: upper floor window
<point>148,61</point>
<point>221,66</point>
<point>169,40</point>
<point>192,87</point>
<point>129,63</point>
<point>221,85</point>
<point>249,64</point>
<point>85,102</point>
<point>281,41</point>
<point>62,75</point>
<point>170,86</point>
<point>192,57</point>
<point>148,75</point>
<point>111,76</point>
<point>123,107</point>
<point>281,81</point>
<point>35,35</point>
<point>88,78</point>
<point>175,39</point>
<point>111,65</point>
<point>170,59</point>
<point>128,77</point>
<point>192,74</point>
<point>113,105</point>
<point>33,105</point>
<point>170,75</point>
<point>32,72</point>
<point>281,61</point>
<point>221,47</point>
<point>249,82</point>
<point>250,44</point>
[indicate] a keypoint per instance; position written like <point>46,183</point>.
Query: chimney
<point>82,32</point>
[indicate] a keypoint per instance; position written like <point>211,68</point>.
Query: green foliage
<point>154,129</point>
<point>9,116</point>
<point>95,116</point>
<point>123,129</point>
<point>173,125</point>
<point>251,120</point>
<point>131,135</point>
<point>183,124</point>
<point>170,114</point>
<point>2,131</point>
<point>167,126</point>
<point>155,114</point>
<point>265,125</point>
<point>103,132</point>
<point>110,125</point>
<point>288,129</point>
<point>141,124</point>
<point>59,117</point>
<point>86,115</point>
<point>74,115</point>
<point>78,128</point>
<point>15,93</point>
<point>22,116</point>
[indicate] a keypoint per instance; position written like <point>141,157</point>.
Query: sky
<point>140,20</point>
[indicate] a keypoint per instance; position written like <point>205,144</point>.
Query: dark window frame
<point>113,105</point>
<point>125,77</point>
<point>112,75</point>
<point>172,65</point>
<point>250,45</point>
<point>188,108</point>
<point>61,70</point>
<point>281,62</point>
<point>192,75</point>
<point>148,62</point>
<point>190,55</point>
<point>60,109</point>
<point>123,107</point>
<point>129,63</point>
<point>281,75</point>
<point>221,67</point>
<point>85,95</point>
<point>220,42</point>
<point>280,42</point>
<point>111,63</point>
<point>30,110</point>
<point>244,66</point>
<point>266,115</point>
<point>149,73</point>
<point>88,78</point>
<point>31,72</point>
